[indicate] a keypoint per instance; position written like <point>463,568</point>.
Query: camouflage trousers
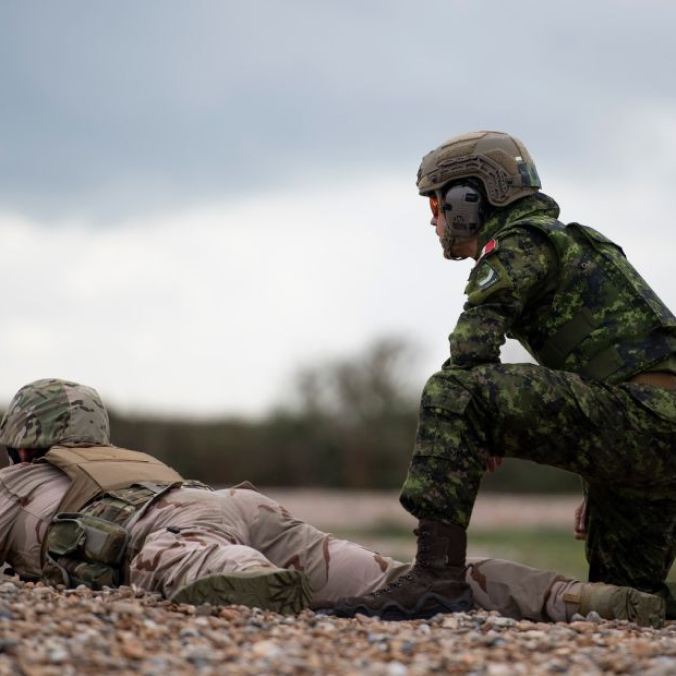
<point>620,439</point>
<point>189,534</point>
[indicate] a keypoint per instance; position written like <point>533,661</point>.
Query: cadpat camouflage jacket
<point>566,292</point>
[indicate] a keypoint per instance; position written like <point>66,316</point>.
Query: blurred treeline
<point>345,424</point>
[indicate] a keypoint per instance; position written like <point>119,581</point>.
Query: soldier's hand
<point>493,462</point>
<point>580,518</point>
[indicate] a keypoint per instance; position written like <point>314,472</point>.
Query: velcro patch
<point>485,279</point>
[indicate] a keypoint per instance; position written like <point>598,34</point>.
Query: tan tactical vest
<point>99,469</point>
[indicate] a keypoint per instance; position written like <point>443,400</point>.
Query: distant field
<point>338,509</point>
<point>534,530</point>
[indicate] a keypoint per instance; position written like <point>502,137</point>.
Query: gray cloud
<point>117,108</point>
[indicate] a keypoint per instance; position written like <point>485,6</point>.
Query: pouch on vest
<point>83,549</point>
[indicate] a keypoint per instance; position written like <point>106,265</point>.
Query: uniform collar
<point>524,208</point>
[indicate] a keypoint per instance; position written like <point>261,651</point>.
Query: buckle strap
<point>661,379</point>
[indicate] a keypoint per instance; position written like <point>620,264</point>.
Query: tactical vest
<point>601,319</point>
<point>86,543</point>
<point>101,469</point>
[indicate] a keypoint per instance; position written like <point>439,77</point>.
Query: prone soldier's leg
<point>526,593</point>
<point>334,567</point>
<point>201,565</point>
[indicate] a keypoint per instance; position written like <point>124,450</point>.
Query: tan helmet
<point>500,161</point>
<point>51,411</point>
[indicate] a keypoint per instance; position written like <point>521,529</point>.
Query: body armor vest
<point>102,469</point>
<point>601,319</point>
<point>87,542</point>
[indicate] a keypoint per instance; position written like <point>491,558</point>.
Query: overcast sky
<point>196,198</point>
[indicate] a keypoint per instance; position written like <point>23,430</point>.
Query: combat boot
<point>617,603</point>
<point>435,584</point>
<point>283,591</point>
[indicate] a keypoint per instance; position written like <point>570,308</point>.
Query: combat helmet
<point>500,161</point>
<point>52,412</point>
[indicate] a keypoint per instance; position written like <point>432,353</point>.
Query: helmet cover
<point>500,161</point>
<point>52,412</point>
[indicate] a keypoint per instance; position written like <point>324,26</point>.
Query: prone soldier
<point>75,509</point>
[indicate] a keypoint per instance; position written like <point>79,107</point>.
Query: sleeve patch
<point>486,278</point>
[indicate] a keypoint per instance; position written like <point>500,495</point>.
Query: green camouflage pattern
<point>73,573</point>
<point>567,293</point>
<point>53,412</point>
<point>620,439</point>
<point>84,549</point>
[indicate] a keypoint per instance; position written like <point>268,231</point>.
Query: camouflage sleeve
<point>520,268</point>
<point>9,509</point>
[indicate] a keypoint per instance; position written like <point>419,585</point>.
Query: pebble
<point>124,631</point>
<point>396,669</point>
<point>498,621</point>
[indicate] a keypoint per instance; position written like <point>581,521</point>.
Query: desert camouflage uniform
<point>189,533</point>
<point>592,324</point>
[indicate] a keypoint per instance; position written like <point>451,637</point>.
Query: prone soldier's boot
<point>435,584</point>
<point>616,603</point>
<point>281,590</point>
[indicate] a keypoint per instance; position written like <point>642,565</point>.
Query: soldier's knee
<point>446,391</point>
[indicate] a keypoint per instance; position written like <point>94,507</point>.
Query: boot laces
<point>397,583</point>
<point>423,547</point>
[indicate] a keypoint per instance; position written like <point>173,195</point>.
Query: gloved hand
<point>493,462</point>
<point>580,519</point>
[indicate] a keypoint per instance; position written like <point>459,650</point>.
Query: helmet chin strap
<point>447,242</point>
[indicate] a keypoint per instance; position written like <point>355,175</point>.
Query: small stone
<point>593,616</point>
<point>266,649</point>
<point>396,669</point>
<point>8,588</point>
<point>57,655</point>
<point>188,632</point>
<point>500,670</point>
<point>8,644</point>
<point>661,666</point>
<point>132,650</point>
<point>500,621</point>
<point>126,608</point>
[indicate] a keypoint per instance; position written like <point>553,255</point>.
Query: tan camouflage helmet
<point>500,161</point>
<point>52,412</point>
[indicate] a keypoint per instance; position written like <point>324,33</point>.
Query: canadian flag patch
<point>492,245</point>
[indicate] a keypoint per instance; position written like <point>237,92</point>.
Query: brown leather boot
<point>435,584</point>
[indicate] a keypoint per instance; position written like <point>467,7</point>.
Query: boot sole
<point>646,610</point>
<point>423,610</point>
<point>282,591</point>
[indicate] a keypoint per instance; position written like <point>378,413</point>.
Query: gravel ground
<point>45,632</point>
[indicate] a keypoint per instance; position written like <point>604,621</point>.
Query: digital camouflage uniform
<point>592,324</point>
<point>188,534</point>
